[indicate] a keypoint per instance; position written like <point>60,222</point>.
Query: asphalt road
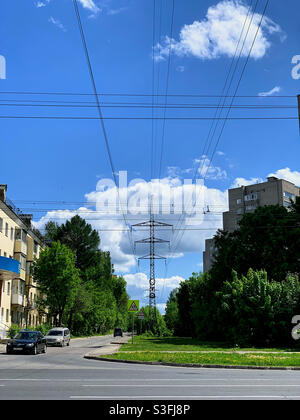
<point>63,374</point>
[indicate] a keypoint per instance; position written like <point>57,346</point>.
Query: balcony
<point>17,299</point>
<point>9,268</point>
<point>20,246</point>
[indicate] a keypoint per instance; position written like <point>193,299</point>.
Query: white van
<point>58,336</point>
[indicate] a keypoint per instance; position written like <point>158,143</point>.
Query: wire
<point>98,103</point>
<point>65,117</point>
<point>145,95</point>
<point>167,89</point>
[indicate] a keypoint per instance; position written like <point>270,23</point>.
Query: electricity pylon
<point>152,240</point>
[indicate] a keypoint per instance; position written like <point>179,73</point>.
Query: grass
<point>249,359</point>
<point>179,344</point>
<point>190,351</point>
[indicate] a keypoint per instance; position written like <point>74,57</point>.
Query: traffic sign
<point>141,315</point>
<point>133,306</point>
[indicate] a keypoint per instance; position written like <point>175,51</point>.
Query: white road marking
<point>194,385</point>
<point>172,397</point>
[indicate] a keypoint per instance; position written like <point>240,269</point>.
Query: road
<point>63,374</point>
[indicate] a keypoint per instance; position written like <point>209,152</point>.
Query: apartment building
<point>246,199</point>
<point>19,245</point>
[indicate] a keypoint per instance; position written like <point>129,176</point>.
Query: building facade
<point>19,245</point>
<point>246,199</point>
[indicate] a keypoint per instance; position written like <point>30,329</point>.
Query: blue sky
<point>63,160</point>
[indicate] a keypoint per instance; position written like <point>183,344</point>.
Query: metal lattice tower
<point>152,256</point>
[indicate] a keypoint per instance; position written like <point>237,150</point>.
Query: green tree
<point>172,314</point>
<point>81,238</point>
<point>57,278</point>
<point>267,239</point>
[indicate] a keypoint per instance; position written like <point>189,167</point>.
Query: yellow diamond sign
<point>133,305</point>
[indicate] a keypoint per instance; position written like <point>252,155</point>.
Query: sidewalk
<point>112,347</point>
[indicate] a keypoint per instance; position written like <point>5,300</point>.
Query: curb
<point>139,362</point>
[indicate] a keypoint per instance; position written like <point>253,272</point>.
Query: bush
<point>14,329</point>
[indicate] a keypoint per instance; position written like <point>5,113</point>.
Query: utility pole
<point>152,256</point>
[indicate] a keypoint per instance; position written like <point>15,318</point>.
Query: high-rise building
<point>19,245</point>
<point>246,199</point>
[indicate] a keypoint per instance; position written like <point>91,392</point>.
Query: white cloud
<point>239,182</point>
<point>113,12</point>
<point>141,281</point>
<point>57,23</point>
<point>218,34</point>
<point>39,4</point>
<point>271,92</point>
<point>111,225</point>
<point>90,5</point>
<point>288,175</point>
<point>180,69</point>
<point>209,171</point>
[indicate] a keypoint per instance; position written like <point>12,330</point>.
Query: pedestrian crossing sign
<point>133,305</point>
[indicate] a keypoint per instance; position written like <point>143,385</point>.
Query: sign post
<point>141,316</point>
<point>133,307</point>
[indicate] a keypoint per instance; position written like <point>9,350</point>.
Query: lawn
<point>190,351</point>
<point>179,344</point>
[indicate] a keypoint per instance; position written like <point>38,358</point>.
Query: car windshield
<point>55,332</point>
<point>25,336</point>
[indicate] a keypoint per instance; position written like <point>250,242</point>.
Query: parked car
<point>118,332</point>
<point>58,336</point>
<point>27,341</point>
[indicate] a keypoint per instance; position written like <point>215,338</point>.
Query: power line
<point>145,94</point>
<point>167,88</point>
<point>98,103</point>
<point>66,117</point>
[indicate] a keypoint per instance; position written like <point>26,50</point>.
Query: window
<point>7,315</point>
<point>1,224</point>
<point>2,313</point>
<point>23,262</point>
<point>289,195</point>
<point>287,204</point>
<point>249,208</point>
<point>8,289</point>
<point>18,234</point>
<point>24,236</point>
<point>11,234</point>
<point>239,211</point>
<point>239,201</point>
<point>3,288</point>
<point>35,247</point>
<point>6,229</point>
<point>250,197</point>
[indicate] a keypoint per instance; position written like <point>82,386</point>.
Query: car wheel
<point>45,349</point>
<point>35,350</point>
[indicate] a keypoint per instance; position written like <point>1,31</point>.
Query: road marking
<point>194,385</point>
<point>172,397</point>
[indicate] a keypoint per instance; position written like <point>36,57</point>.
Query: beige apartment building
<point>246,199</point>
<point>18,247</point>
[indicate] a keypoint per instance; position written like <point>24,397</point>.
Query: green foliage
<point>57,278</point>
<point>99,300</point>
<point>267,239</point>
<point>13,330</point>
<point>153,323</point>
<point>81,238</point>
<point>247,310</point>
<point>258,311</point>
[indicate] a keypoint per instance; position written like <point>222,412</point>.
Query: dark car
<point>27,341</point>
<point>118,332</point>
